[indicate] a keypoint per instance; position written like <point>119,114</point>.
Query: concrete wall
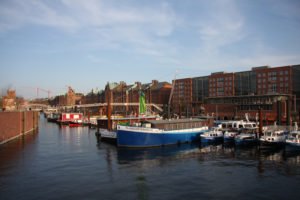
<point>14,124</point>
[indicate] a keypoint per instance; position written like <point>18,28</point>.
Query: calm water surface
<point>69,163</point>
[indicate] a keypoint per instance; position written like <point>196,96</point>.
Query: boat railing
<point>158,130</point>
<point>139,128</point>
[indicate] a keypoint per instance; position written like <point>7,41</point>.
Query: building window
<point>281,84</point>
<point>264,85</point>
<point>181,85</point>
<point>273,88</point>
<point>259,80</point>
<point>286,84</point>
<point>181,93</point>
<point>272,76</point>
<point>281,72</point>
<point>259,86</point>
<point>286,78</point>
<point>264,74</point>
<point>281,78</point>
<point>286,72</point>
<point>259,74</point>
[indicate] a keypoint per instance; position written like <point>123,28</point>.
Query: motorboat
<point>212,135</point>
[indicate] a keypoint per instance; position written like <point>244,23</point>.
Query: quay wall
<point>15,124</point>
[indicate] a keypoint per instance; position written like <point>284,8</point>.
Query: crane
<point>38,89</point>
<point>170,98</point>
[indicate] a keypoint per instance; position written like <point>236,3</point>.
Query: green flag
<point>142,102</point>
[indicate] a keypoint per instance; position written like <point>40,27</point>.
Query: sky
<point>85,44</point>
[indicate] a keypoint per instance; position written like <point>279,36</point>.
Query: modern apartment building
<point>182,97</point>
<point>230,95</point>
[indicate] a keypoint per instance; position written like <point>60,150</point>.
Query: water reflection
<point>70,163</point>
<point>13,151</point>
<point>142,187</point>
<point>263,158</point>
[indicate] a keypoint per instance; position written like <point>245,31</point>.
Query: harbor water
<point>71,163</point>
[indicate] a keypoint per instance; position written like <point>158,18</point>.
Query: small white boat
<point>247,137</point>
<point>230,135</point>
<point>293,139</point>
<point>273,137</point>
<point>232,128</point>
<point>213,135</point>
<point>109,136</point>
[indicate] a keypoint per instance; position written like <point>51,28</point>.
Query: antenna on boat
<point>170,98</point>
<point>247,117</point>
<point>295,126</point>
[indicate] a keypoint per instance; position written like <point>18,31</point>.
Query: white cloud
<point>271,60</point>
<point>113,23</point>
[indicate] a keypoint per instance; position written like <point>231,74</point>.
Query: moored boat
<point>293,139</point>
<point>108,135</point>
<point>75,123</point>
<point>160,132</point>
<point>247,137</point>
<point>230,135</point>
<point>272,137</point>
<point>212,135</point>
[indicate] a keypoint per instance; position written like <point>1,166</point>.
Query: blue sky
<point>85,44</point>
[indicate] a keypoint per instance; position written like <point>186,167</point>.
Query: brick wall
<point>14,124</point>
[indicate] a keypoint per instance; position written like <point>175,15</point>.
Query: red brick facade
<point>274,80</point>
<point>14,124</point>
<point>221,84</point>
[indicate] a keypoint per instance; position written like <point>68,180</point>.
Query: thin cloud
<point>112,22</point>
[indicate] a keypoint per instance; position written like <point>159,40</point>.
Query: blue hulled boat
<point>213,135</point>
<point>248,136</point>
<point>160,132</point>
<point>293,139</point>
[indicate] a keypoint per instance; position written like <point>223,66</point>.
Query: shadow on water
<point>13,151</point>
<point>261,157</point>
<point>127,155</point>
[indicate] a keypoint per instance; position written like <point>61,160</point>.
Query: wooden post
<point>24,122</point>
<point>260,122</point>
<point>108,113</point>
<point>180,111</point>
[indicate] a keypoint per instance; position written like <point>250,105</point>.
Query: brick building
<point>231,95</point>
<point>221,84</point>
<point>182,99</point>
<point>9,101</point>
<point>155,92</point>
<point>69,99</point>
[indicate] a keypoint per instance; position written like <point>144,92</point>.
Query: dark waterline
<point>69,163</point>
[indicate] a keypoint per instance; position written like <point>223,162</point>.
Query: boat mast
<point>170,98</point>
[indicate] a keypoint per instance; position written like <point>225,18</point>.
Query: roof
<point>159,85</point>
<point>174,121</point>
